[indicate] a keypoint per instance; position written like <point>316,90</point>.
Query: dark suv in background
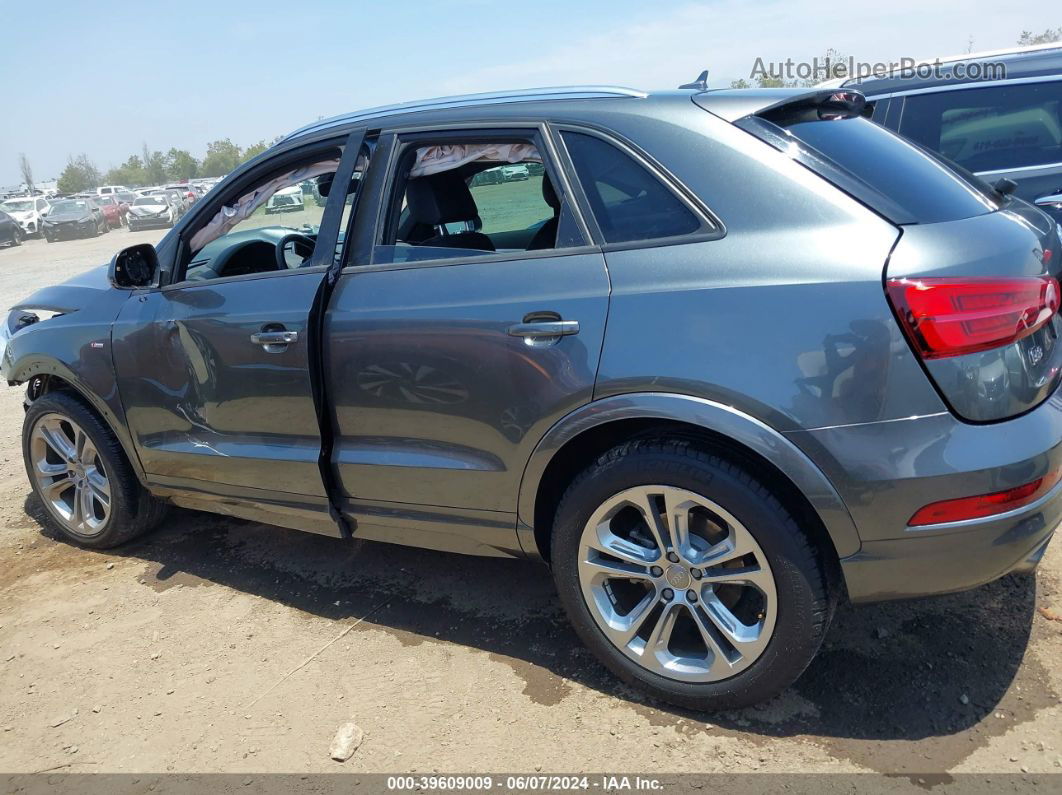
<point>997,127</point>
<point>722,358</point>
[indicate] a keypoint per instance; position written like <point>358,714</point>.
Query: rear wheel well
<point>580,452</point>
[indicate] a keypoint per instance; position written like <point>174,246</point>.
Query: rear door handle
<point>544,328</point>
<point>275,341</point>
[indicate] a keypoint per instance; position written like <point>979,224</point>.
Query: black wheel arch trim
<point>718,418</point>
<point>41,366</point>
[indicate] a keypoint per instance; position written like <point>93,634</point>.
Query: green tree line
<point>155,167</point>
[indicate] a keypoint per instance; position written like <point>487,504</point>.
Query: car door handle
<point>267,339</point>
<point>1052,200</point>
<point>545,328</point>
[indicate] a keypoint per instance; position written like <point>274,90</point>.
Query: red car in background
<point>114,210</point>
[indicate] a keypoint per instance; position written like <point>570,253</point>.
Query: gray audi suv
<point>722,359</point>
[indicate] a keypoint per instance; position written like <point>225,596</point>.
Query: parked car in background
<point>515,173</point>
<point>28,212</point>
<point>188,192</point>
<point>113,210</point>
<point>286,200</point>
<point>153,211</point>
<point>175,197</point>
<point>714,406</point>
<point>77,217</point>
<point>110,190</point>
<point>10,231</point>
<point>180,199</point>
<point>997,127</point>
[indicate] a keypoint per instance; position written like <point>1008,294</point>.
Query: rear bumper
<point>968,554</point>
<point>886,471</point>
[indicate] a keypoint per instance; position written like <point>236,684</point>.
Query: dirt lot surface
<point>221,645</point>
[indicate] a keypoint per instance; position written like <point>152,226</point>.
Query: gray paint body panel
<point>435,403</point>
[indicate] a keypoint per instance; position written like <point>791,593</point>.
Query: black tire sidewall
<point>798,579</point>
<point>126,492</point>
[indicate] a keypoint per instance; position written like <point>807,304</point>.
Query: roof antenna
<point>700,84</point>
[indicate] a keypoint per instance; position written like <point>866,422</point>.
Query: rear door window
<point>989,129</point>
<point>466,198</point>
<point>629,203</point>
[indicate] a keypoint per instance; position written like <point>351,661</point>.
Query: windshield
<point>17,206</point>
<point>149,200</point>
<point>69,205</point>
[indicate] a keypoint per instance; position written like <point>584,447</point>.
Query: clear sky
<point>103,78</point>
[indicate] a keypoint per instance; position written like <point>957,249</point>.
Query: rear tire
<point>80,474</point>
<point>739,595</point>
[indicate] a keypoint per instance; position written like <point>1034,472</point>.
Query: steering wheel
<point>299,239</point>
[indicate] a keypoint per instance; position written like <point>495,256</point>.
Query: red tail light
<point>952,317</point>
<point>985,504</point>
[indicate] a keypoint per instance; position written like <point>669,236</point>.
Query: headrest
<point>440,199</point>
<point>549,194</point>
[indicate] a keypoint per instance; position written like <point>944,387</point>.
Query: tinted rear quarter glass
<point>628,202</point>
<point>911,178</point>
<point>988,129</point>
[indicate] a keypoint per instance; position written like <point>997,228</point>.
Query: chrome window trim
<point>1044,166</point>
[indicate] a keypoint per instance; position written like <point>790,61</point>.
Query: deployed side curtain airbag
<point>436,159</point>
<point>228,216</point>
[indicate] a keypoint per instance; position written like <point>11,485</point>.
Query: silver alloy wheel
<point>70,475</point>
<point>677,584</point>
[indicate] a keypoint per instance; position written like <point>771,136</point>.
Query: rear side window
<point>902,181</point>
<point>629,203</point>
<point>989,129</point>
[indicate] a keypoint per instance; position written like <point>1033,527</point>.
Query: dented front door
<point>208,398</point>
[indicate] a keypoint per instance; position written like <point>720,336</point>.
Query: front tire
<point>16,238</point>
<point>688,577</point>
<point>80,474</point>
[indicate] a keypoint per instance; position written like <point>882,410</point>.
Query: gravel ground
<point>216,645</point>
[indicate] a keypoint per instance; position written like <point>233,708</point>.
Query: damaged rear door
<point>216,368</point>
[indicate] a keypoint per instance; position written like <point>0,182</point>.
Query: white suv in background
<point>27,211</point>
<point>110,190</point>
